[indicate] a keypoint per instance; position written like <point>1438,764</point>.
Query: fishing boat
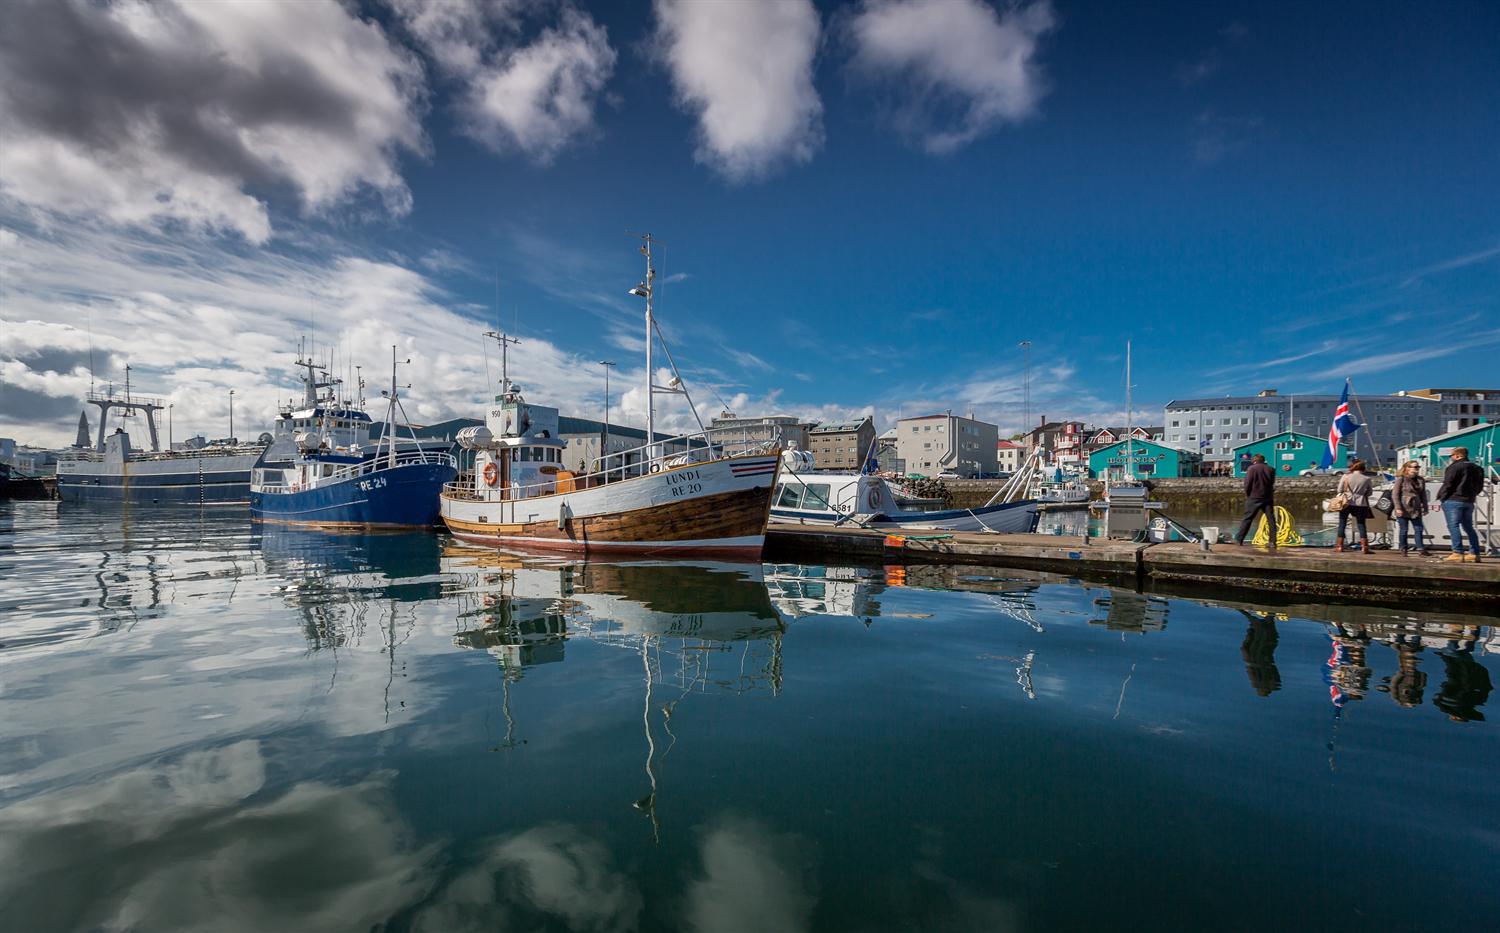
<point>330,485</point>
<point>1055,488</point>
<point>697,493</point>
<point>805,497</point>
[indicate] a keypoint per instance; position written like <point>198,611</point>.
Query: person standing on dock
<point>1410,498</point>
<point>1260,498</point>
<point>1463,481</point>
<point>1355,487</point>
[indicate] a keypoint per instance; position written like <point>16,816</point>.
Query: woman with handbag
<point>1354,489</point>
<point>1409,498</point>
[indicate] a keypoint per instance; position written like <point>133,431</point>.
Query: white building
<point>933,444</point>
<point>1008,455</point>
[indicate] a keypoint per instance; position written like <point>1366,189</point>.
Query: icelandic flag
<point>1343,426</point>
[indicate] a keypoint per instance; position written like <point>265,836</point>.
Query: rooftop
<point>1279,401</point>
<point>840,427</point>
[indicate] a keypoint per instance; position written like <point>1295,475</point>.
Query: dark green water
<point>206,725</point>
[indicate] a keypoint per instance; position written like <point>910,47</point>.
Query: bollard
<point>1203,545</point>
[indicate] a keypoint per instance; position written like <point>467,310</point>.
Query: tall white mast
<point>1129,418</point>
<point>647,290</point>
<point>650,339</point>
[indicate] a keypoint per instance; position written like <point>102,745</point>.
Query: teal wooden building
<point>1288,453</point>
<point>1146,460</point>
<point>1482,440</point>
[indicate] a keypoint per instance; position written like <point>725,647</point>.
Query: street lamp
<point>231,416</point>
<point>170,406</point>
<point>604,445</point>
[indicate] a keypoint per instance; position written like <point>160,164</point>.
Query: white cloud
<point>196,319</point>
<point>535,97</point>
<point>192,113</point>
<point>961,68</point>
<point>745,70</point>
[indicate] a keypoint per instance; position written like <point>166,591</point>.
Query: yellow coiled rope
<point>1286,532</point>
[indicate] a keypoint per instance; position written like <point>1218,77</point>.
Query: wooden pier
<point>1383,575</point>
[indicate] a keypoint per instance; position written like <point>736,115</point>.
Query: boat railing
<point>666,454</point>
<point>138,456</point>
<point>265,483</point>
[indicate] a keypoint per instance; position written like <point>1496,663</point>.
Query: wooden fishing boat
<point>688,494</point>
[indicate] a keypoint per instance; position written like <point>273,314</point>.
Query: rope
<point>1286,534</point>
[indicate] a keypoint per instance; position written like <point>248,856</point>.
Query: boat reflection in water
<point>696,627</point>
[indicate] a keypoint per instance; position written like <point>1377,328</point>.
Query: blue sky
<point>864,206</point>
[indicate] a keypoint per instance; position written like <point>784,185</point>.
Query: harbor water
<point>212,724</point>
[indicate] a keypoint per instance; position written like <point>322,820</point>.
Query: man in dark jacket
<point>1462,483</point>
<point>1260,486</point>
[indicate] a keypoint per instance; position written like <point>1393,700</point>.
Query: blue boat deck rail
<point>273,480</point>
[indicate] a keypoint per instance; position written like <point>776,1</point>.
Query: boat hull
<point>717,508</point>
<point>403,496</point>
<point>184,481</point>
<point>1009,518</point>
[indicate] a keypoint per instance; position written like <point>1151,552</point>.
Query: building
<point>887,459</point>
<point>1462,408</point>
<point>1214,427</point>
<point>933,444</point>
<point>1053,436</point>
<point>1103,437</point>
<point>1482,440</point>
<point>841,445</point>
<point>1143,460</point>
<point>583,440</point>
<point>1009,455</point>
<point>743,432</point>
<point>1286,453</point>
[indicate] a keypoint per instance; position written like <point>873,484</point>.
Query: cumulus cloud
<point>533,97</point>
<point>958,68</point>
<point>745,70</point>
<point>196,319</point>
<point>193,113</point>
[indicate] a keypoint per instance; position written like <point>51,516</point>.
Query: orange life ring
<point>491,474</point>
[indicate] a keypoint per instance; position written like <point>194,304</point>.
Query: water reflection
<point>1259,652</point>
<point>298,730</point>
<point>196,844</point>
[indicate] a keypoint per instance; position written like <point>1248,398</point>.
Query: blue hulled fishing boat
<point>331,485</point>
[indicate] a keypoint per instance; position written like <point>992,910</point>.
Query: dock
<point>1176,566</point>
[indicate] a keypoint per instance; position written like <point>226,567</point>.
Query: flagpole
<point>1374,448</point>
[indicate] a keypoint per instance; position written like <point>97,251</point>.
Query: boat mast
<point>649,288</point>
<point>1129,418</point>
<point>505,341</point>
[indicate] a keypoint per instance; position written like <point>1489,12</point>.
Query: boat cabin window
<point>815,496</point>
<point>791,497</point>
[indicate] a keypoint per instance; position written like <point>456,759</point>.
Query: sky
<point>861,206</point>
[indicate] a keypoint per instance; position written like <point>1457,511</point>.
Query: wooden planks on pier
<point>1384,575</point>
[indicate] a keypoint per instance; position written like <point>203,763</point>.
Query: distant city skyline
<point>858,217</point>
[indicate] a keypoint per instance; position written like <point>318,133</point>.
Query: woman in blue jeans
<point>1410,503</point>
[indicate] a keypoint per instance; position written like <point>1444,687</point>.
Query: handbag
<point>1385,504</point>
<point>1338,503</point>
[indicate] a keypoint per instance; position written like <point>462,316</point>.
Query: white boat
<point>1054,486</point>
<point>804,497</point>
<point>689,494</point>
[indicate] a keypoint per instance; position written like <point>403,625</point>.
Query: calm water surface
<point>208,725</point>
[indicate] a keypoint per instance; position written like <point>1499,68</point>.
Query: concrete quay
<point>1176,566</point>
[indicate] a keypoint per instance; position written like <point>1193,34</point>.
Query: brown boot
<point>1364,545</point>
<point>1338,545</point>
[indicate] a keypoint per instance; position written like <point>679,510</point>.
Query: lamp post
<point>231,416</point>
<point>170,406</point>
<point>604,443</point>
